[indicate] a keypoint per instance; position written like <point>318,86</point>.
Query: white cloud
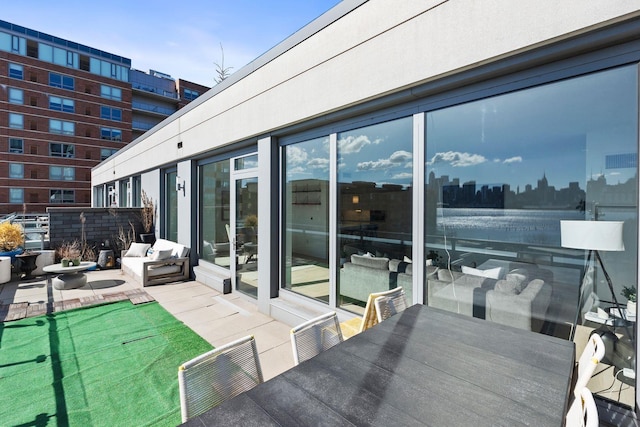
<point>403,175</point>
<point>458,159</point>
<point>398,158</point>
<point>516,159</point>
<point>319,163</point>
<point>296,155</point>
<point>353,144</point>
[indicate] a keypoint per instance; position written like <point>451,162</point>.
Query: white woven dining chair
<point>591,355</point>
<point>220,374</point>
<point>315,336</point>
<point>390,304</point>
<point>583,411</point>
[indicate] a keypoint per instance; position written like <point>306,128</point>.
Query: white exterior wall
<point>381,47</point>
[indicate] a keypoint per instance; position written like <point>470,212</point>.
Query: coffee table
<point>71,277</point>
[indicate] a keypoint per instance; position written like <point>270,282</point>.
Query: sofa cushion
<point>161,254</point>
<point>492,273</point>
<point>178,250</point>
<point>371,262</point>
<point>137,250</point>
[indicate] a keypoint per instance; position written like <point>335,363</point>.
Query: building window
<point>16,145</point>
<point>16,71</point>
<point>16,121</point>
<point>306,217</point>
<point>61,81</point>
<point>375,189</point>
<point>61,127</point>
<point>501,174</point>
<point>62,173</point>
<point>215,211</point>
<point>16,170</point>
<point>16,195</point>
<point>110,92</point>
<point>62,196</point>
<point>61,104</point>
<point>111,134</point>
<point>16,96</point>
<point>105,153</point>
<point>190,94</point>
<point>110,113</point>
<point>57,149</point>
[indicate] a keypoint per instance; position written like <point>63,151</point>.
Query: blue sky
<point>180,38</point>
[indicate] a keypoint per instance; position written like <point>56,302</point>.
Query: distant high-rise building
<point>65,107</point>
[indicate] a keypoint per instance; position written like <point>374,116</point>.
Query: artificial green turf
<point>108,365</point>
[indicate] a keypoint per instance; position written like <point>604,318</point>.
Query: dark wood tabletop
<point>424,366</point>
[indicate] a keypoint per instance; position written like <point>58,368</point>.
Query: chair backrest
<point>583,411</point>
<point>222,373</point>
<point>370,317</point>
<point>591,355</point>
<point>315,336</point>
<point>390,305</point>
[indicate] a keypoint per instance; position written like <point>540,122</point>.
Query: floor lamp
<point>593,236</point>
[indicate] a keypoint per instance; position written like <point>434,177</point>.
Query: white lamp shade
<point>592,235</point>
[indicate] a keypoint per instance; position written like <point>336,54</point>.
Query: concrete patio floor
<point>215,317</point>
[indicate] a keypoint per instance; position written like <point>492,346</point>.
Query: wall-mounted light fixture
<point>180,185</point>
<point>355,199</point>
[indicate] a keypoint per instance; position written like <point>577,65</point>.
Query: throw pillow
<point>492,273</point>
<point>508,287</point>
<point>161,255</point>
<point>407,259</point>
<point>137,250</point>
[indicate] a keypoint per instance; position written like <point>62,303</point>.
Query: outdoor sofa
<point>164,262</point>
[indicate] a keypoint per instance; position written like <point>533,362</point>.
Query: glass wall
<point>215,213</point>
<point>501,174</point>
<point>375,179</point>
<point>306,218</point>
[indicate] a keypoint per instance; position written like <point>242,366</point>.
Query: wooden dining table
<point>424,366</point>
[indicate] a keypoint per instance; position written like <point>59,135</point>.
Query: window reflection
<point>501,173</point>
<point>215,199</point>
<point>375,181</point>
<point>307,218</point>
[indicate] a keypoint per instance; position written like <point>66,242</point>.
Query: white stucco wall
<point>380,47</point>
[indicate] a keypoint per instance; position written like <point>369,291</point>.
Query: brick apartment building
<point>64,108</point>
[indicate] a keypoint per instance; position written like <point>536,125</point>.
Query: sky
<point>180,38</point>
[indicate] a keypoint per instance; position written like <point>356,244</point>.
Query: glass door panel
<point>245,234</point>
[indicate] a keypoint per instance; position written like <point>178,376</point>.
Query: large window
<point>61,127</point>
<point>501,173</point>
<point>62,173</point>
<point>375,182</point>
<point>16,145</point>
<point>61,81</point>
<point>62,196</point>
<point>306,218</point>
<point>215,212</point>
<point>16,170</point>
<point>16,121</point>
<point>57,149</point>
<point>16,96</point>
<point>111,134</point>
<point>111,92</point>
<point>110,113</point>
<point>16,195</point>
<point>16,71</point>
<point>61,104</point>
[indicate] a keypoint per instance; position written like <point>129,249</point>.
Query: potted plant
<point>11,239</point>
<point>630,293</point>
<point>148,217</point>
<point>69,253</point>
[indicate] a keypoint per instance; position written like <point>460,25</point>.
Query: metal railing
<point>35,226</point>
